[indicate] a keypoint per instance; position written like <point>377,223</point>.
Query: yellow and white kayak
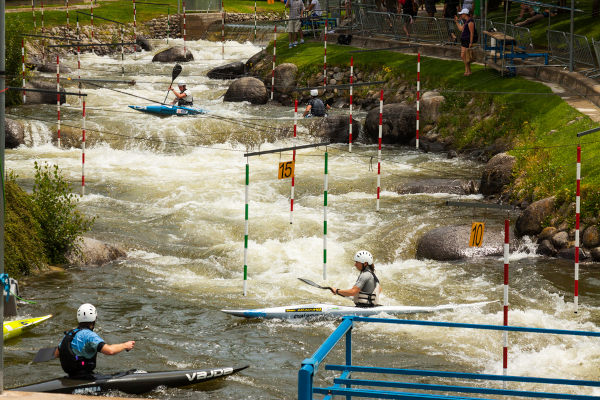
<point>15,328</point>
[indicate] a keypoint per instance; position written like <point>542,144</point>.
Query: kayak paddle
<point>45,354</point>
<point>176,71</point>
<point>311,283</point>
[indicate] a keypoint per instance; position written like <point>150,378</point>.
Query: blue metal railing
<point>350,387</point>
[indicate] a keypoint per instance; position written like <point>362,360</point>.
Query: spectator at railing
<point>468,37</point>
<point>409,11</point>
<point>314,9</point>
<point>296,9</point>
<point>430,7</point>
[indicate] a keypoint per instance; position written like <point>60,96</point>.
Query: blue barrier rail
<point>350,387</point>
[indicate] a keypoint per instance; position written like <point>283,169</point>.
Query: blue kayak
<point>163,109</point>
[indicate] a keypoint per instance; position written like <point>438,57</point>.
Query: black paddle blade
<point>176,71</point>
<point>311,283</point>
<point>45,354</point>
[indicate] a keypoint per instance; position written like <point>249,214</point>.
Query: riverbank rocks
<point>531,220</point>
<point>449,243</point>
<point>247,89</point>
<point>14,133</point>
<point>439,185</point>
<point>285,78</point>
<point>591,237</point>
<point>333,128</point>
<point>255,59</point>
<point>398,124</point>
<point>93,252</point>
<point>430,106</point>
<point>497,174</point>
<point>52,67</point>
<point>44,98</point>
<point>228,71</point>
<point>173,54</point>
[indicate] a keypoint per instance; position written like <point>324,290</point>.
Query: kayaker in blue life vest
<point>184,98</point>
<point>315,107</point>
<point>366,290</point>
<point>80,346</point>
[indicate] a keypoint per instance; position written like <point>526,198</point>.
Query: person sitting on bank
<point>366,290</point>
<point>184,98</point>
<point>79,347</point>
<point>315,106</point>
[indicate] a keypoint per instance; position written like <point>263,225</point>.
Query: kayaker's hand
<point>129,345</point>
<point>332,290</point>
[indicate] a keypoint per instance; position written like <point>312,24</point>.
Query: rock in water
<point>228,71</point>
<point>247,89</point>
<point>173,54</point>
<point>14,133</point>
<point>452,243</point>
<point>398,124</point>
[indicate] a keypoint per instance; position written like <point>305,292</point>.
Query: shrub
<point>13,62</point>
<point>56,211</point>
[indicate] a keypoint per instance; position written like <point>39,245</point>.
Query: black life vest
<point>365,299</point>
<point>74,365</point>
<point>186,101</point>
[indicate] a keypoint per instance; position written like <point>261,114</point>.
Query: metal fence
<point>521,34</point>
<point>203,5</point>
<point>596,45</point>
<point>559,46</point>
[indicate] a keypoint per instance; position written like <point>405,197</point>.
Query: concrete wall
<point>196,24</point>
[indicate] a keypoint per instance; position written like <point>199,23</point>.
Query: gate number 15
<point>286,170</point>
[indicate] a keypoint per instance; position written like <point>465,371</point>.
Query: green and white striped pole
<point>254,21</point>
<point>246,226</point>
<point>325,219</point>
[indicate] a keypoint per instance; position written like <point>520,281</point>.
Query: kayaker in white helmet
<point>315,106</point>
<point>80,346</point>
<point>184,98</point>
<point>366,290</point>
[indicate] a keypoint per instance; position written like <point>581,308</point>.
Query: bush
<point>24,248</point>
<point>56,211</point>
<point>13,62</point>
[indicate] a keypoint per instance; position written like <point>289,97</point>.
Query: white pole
<point>379,148</point>
<point>58,99</point>
<point>577,211</point>
<point>83,151</point>
<point>325,183</point>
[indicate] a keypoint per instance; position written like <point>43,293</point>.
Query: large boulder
<point>430,106</point>
<point>452,243</point>
<point>52,67</point>
<point>173,54</point>
<point>530,222</point>
<point>334,128</point>
<point>496,174</point>
<point>285,78</point>
<point>228,71</point>
<point>591,237</point>
<point>247,89</point>
<point>569,254</point>
<point>438,185</point>
<point>94,252</point>
<point>143,43</point>
<point>398,124</point>
<point>252,61</point>
<point>41,97</point>
<point>14,133</point>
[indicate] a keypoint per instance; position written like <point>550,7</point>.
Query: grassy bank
<point>482,111</point>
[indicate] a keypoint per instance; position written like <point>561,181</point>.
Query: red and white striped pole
<point>351,85</point>
<point>418,94</point>
<point>294,160</point>
<point>58,99</point>
<point>78,68</point>
<point>92,16</point>
<point>325,55</point>
<point>33,14</point>
<point>42,3</point>
<point>184,47</point>
<point>23,68</point>
<point>134,20</point>
<point>222,33</point>
<point>67,3</point>
<point>83,151</point>
<point>274,54</point>
<point>577,211</point>
<point>379,148</point>
<point>505,333</point>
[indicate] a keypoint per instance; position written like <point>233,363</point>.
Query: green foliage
<point>23,246</point>
<point>60,222</point>
<point>13,62</point>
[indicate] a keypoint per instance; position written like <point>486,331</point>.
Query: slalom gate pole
<point>33,14</point>
<point>379,148</point>
<point>83,151</point>
<point>255,20</point>
<point>222,33</point>
<point>67,1</point>
<point>325,217</point>
<point>184,47</point>
<point>42,18</point>
<point>92,16</point>
<point>274,54</point>
<point>246,225</point>
<point>577,215</point>
<point>294,161</point>
<point>168,23</point>
<point>350,125</point>
<point>418,94</point>
<point>122,53</point>
<point>58,99</point>
<point>79,69</point>
<point>134,19</point>
<point>325,54</point>
<point>23,68</point>
<point>506,264</point>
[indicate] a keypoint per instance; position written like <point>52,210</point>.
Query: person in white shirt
<point>315,7</point>
<point>296,9</point>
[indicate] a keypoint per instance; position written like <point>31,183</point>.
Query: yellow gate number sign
<point>286,170</point>
<point>476,234</point>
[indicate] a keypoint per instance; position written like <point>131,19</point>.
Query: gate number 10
<point>286,170</point>
<point>476,234</point>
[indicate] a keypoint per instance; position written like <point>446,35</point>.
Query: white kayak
<point>335,311</point>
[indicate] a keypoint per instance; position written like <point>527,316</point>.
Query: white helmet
<point>314,92</point>
<point>364,256</point>
<point>86,313</point>
<point>181,82</point>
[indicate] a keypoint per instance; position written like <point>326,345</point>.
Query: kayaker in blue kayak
<point>80,346</point>
<point>315,106</point>
<point>366,290</point>
<point>184,98</point>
